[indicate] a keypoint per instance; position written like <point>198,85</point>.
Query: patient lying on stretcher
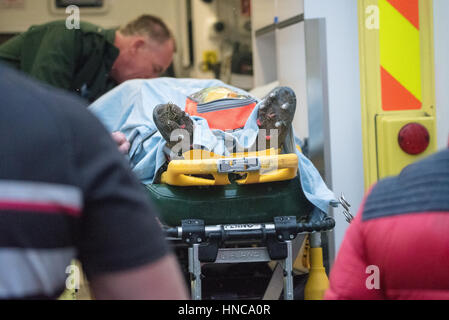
<point>140,109</point>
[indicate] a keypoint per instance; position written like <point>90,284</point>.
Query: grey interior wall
<point>344,102</point>
<point>441,24</point>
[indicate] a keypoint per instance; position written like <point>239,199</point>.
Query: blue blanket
<point>129,108</point>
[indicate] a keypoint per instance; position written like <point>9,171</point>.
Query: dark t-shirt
<point>65,192</point>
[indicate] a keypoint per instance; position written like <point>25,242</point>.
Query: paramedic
<point>396,248</point>
<point>91,60</point>
<point>64,196</point>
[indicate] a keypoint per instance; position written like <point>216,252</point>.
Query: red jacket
<point>401,235</point>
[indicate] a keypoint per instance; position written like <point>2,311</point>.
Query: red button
<point>414,138</point>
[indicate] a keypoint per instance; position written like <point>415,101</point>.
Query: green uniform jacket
<point>78,60</point>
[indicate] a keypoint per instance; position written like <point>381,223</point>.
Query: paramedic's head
<point>146,49</point>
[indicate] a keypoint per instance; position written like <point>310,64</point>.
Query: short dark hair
<point>148,25</point>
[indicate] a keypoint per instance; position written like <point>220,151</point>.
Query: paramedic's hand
<point>123,144</point>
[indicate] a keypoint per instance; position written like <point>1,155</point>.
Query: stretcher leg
<point>275,287</point>
<point>288,272</point>
<point>195,272</point>
<point>318,282</point>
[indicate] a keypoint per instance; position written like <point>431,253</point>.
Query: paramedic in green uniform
<point>91,60</point>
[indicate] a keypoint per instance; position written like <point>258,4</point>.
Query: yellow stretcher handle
<point>273,167</point>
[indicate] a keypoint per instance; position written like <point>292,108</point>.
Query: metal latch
<point>238,165</point>
<point>346,212</point>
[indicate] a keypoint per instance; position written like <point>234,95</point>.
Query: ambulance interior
<point>327,52</point>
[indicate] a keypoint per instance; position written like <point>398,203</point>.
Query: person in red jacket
<point>397,247</point>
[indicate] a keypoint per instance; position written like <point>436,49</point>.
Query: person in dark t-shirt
<point>67,193</point>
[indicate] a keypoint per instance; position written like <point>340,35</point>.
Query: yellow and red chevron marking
<point>400,55</point>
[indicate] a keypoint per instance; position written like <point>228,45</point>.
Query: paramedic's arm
<point>348,275</point>
<point>55,61</point>
<point>140,283</point>
<point>121,246</point>
<point>10,51</point>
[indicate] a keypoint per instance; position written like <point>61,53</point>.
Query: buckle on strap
<point>238,165</point>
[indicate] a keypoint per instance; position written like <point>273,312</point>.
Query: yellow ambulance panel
<point>397,81</point>
<point>391,157</point>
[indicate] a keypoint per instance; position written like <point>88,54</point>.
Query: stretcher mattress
<point>230,204</point>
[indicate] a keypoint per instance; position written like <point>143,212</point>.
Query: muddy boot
<point>168,118</point>
<point>276,112</point>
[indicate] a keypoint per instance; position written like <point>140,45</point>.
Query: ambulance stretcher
<point>245,208</point>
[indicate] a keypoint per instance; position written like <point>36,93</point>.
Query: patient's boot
<point>174,124</point>
<point>276,112</point>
